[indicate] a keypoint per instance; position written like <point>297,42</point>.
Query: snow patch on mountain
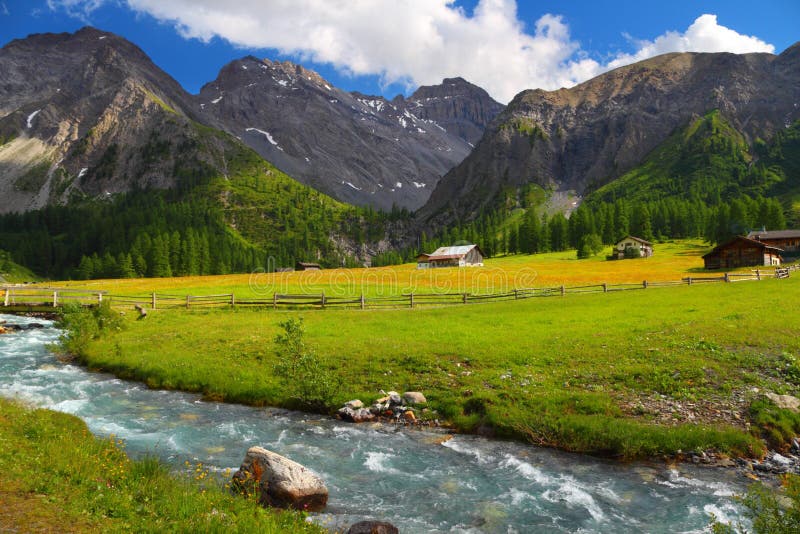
<point>267,135</point>
<point>32,116</point>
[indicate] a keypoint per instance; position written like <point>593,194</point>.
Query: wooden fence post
<point>605,287</point>
<point>233,300</point>
<point>8,297</point>
<point>644,284</point>
<point>516,294</point>
<point>274,301</point>
<point>154,300</point>
<point>727,279</point>
<point>362,301</point>
<point>187,301</point>
<point>323,300</point>
<point>411,300</point>
<point>55,298</point>
<point>758,274</point>
<point>464,298</point>
<point>689,281</point>
<point>99,298</point>
<point>563,291</point>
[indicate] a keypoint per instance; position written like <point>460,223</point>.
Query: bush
<point>308,381</point>
<point>632,253</point>
<point>589,245</point>
<point>83,324</point>
<point>768,510</point>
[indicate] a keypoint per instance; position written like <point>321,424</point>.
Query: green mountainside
<point>234,213</point>
<point>710,160</point>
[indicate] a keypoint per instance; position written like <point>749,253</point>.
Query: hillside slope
<point>582,138</point>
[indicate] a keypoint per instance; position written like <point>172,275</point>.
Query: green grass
<point>566,372</point>
<point>14,273</point>
<point>56,477</point>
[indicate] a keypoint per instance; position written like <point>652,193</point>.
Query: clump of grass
<point>56,473</point>
<point>778,426</point>
<point>769,510</point>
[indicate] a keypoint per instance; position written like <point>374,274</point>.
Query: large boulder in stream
<point>281,482</point>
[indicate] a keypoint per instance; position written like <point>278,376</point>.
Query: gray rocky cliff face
<point>87,115</point>
<point>586,136</point>
<point>361,149</point>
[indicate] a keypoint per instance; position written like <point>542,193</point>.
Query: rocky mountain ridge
<point>88,115</point>
<point>361,149</point>
<point>581,138</point>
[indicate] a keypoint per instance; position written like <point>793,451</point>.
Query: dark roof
<point>742,238</point>
<point>773,234</point>
<point>639,239</point>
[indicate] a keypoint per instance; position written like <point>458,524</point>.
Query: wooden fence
<point>27,297</point>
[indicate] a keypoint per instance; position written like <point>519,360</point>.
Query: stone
<point>354,404</point>
<point>281,482</point>
<point>141,310</point>
<point>409,416</point>
<point>780,459</point>
<point>373,527</point>
<point>395,399</point>
<point>359,415</point>
<point>414,397</point>
<point>785,402</point>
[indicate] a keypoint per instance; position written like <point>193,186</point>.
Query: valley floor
<point>628,374</point>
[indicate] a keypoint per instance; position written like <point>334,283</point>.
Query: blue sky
<point>391,46</point>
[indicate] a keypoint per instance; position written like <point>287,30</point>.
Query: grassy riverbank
<point>56,477</point>
<point>631,374</point>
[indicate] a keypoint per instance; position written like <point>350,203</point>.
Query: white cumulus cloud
<point>419,42</point>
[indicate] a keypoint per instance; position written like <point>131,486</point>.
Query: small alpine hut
<point>742,252</point>
<point>645,248</point>
<point>306,266</point>
<point>455,256</point>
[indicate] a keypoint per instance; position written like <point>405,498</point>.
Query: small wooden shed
<point>742,252</point>
<point>644,247</point>
<point>306,266</point>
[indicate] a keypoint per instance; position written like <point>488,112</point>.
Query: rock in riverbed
<point>281,482</point>
<point>355,415</point>
<point>373,527</point>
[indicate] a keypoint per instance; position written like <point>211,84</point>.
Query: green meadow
<point>597,373</point>
<point>56,477</point>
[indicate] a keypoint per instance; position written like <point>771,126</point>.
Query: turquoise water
<point>467,484</point>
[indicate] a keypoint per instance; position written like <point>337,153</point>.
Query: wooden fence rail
<point>23,296</point>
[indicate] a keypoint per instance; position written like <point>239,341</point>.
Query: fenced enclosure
<point>25,297</point>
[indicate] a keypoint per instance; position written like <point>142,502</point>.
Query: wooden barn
<point>742,252</point>
<point>306,266</point>
<point>456,256</point>
<point>645,247</point>
<point>787,240</point>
